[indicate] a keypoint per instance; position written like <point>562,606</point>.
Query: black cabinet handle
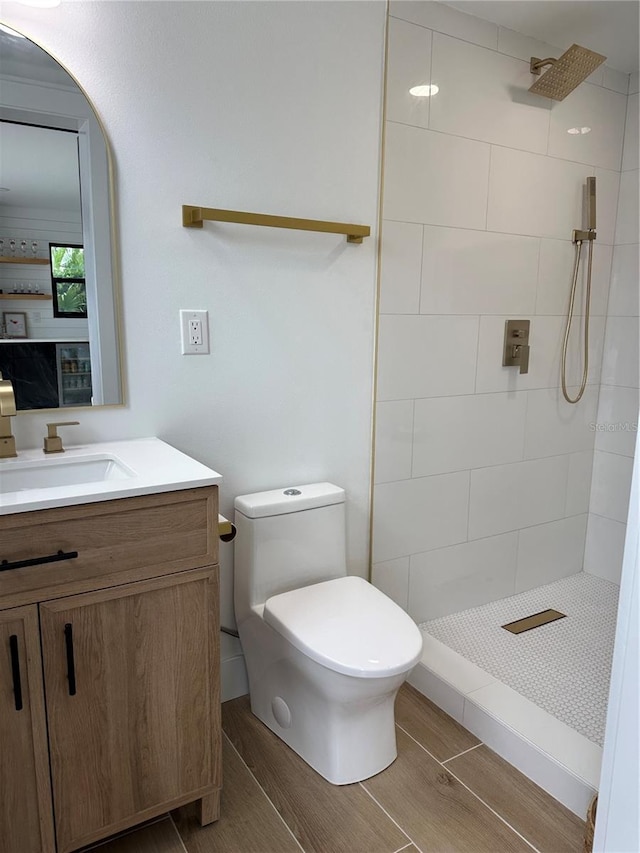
<point>71,667</point>
<point>15,671</point>
<point>6,566</point>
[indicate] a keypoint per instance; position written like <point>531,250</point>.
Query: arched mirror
<point>58,297</point>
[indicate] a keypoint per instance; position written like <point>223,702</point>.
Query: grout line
<point>422,746</point>
<point>506,823</point>
<point>471,791</point>
<point>464,752</point>
<point>382,808</point>
<point>184,846</point>
<point>268,798</point>
<point>406,846</point>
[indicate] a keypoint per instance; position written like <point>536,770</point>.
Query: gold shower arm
<point>536,64</point>
<point>193,217</point>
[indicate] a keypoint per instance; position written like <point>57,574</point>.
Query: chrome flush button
<point>292,492</point>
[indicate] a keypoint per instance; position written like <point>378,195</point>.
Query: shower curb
<point>511,725</point>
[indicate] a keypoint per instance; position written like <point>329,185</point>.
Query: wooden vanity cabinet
<point>130,670</point>
<point>26,823</point>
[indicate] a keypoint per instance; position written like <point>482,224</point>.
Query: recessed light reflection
<point>424,91</point>
<point>576,130</point>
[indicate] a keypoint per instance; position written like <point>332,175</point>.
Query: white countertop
<point>151,466</point>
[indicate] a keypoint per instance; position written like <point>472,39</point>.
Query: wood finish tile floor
<point>445,793</point>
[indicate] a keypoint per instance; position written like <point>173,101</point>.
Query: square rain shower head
<point>565,73</point>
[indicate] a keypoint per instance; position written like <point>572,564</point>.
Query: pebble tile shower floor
<point>563,667</point>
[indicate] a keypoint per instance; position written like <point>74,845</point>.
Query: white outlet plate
<point>194,332</point>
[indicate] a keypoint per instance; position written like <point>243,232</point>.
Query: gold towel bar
<point>193,217</point>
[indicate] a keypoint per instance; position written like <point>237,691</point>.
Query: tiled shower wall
<point>482,475</point>
<point>618,406</point>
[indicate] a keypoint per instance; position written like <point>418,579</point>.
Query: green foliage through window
<point>68,280</point>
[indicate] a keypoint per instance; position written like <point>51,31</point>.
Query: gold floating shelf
<point>25,296</point>
<point>193,217</point>
<point>14,259</point>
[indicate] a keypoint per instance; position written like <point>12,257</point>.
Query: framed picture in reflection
<point>15,324</point>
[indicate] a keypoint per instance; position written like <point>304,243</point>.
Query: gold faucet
<point>53,442</point>
<point>7,411</point>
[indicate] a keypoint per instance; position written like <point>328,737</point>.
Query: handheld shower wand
<point>579,237</point>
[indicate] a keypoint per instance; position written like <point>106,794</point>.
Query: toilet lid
<point>347,625</point>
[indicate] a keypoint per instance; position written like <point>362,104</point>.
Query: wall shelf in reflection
<point>9,259</point>
<point>25,296</point>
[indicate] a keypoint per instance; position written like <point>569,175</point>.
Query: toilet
<point>325,652</point>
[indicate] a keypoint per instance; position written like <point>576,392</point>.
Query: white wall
<point>483,475</point>
<point>617,420</point>
<point>269,107</point>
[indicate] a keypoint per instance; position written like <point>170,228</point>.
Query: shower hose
<point>572,300</point>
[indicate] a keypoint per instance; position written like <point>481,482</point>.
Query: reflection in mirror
<point>56,243</point>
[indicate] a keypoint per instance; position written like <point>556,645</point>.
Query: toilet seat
<point>347,625</point>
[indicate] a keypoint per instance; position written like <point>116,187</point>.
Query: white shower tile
<point>451,579</point>
<point>621,358</point>
<point>434,178</point>
<point>456,433</point>
<point>394,428</point>
<point>452,667</point>
<point>630,152</point>
<point>611,485</point>
<point>579,483</point>
<point>554,426</point>
<point>523,47</point>
<point>618,81</point>
<point>627,226</point>
<point>555,274</point>
<point>410,356</point>
<point>607,186</point>
<point>605,548</point>
<point>444,19</point>
<point>437,690</point>
<point>550,551</point>
<point>408,65</point>
<point>535,195</point>
<point>392,578</point>
<point>477,272</point>
<point>625,278</point>
<point>617,425</point>
<point>400,265</point>
<point>476,97</point>
<point>509,497</point>
<point>417,515</point>
<point>576,349</point>
<point>634,83</point>
<point>589,106</point>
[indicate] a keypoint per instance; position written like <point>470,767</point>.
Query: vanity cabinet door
<point>25,793</point>
<point>132,701</point>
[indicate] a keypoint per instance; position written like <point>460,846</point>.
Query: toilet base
<point>342,726</point>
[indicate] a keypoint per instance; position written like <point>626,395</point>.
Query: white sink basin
<point>97,472</point>
<point>71,471</point>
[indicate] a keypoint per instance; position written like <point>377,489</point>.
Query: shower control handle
<point>521,353</point>
<point>516,345</point>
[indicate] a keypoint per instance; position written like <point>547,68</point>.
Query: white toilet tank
<point>287,538</point>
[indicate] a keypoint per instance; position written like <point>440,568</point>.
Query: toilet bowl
<point>325,652</point>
